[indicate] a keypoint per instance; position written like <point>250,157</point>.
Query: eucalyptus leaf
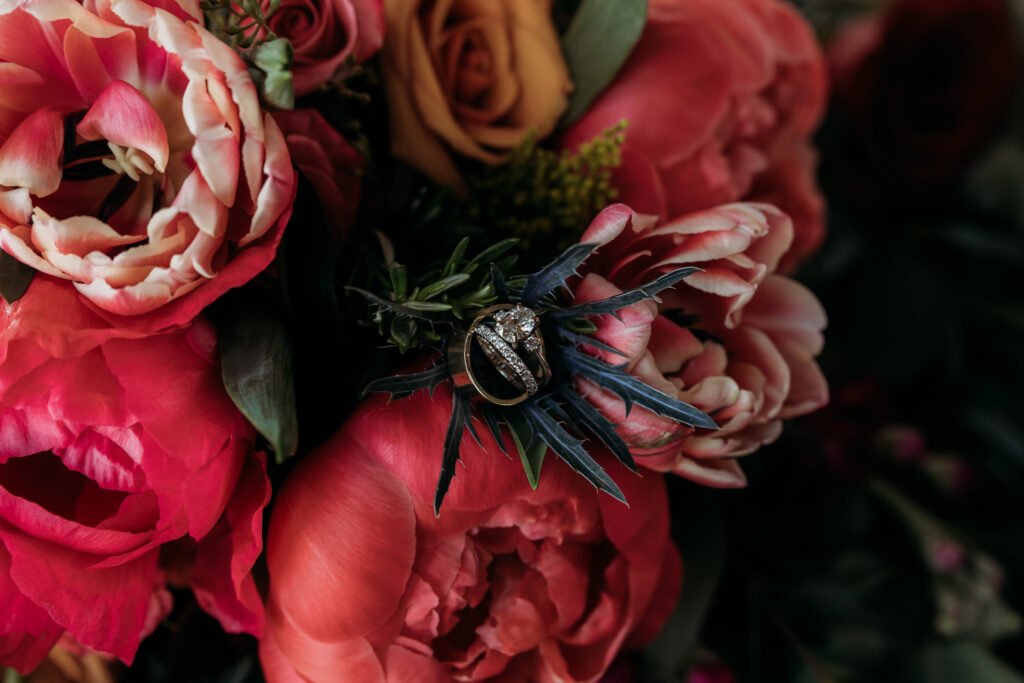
<point>279,90</point>
<point>600,38</point>
<point>15,277</point>
<point>256,366</point>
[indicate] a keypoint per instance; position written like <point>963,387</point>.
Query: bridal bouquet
<point>380,330</point>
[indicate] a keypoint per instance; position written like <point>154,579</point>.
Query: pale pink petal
<point>31,156</point>
<point>123,115</point>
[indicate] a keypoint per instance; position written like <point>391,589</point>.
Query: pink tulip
<point>135,162</point>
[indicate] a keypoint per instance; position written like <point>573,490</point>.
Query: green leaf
<point>278,89</point>
<point>600,38</point>
<point>442,286</point>
<point>273,55</point>
<point>532,448</point>
<point>15,277</point>
<point>256,366</point>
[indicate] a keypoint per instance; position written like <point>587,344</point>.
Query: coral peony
<point>509,583</point>
<point>105,458</point>
<point>135,161</point>
<point>736,340</point>
<point>721,99</point>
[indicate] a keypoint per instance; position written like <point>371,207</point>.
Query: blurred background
<point>881,539</point>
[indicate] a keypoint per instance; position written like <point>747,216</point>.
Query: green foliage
<point>243,24</point>
<point>544,196</point>
<point>409,314</point>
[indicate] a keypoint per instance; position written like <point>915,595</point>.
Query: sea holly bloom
<point>736,340</point>
<point>135,161</point>
<point>112,462</point>
<point>509,583</point>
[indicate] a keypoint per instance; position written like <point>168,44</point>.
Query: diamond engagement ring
<point>501,355</point>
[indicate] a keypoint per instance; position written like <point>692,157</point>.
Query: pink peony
<point>324,34</point>
<point>736,340</point>
<point>721,99</point>
<point>511,584</point>
<point>135,161</point>
<point>106,458</point>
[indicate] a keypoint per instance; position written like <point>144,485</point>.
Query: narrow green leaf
<point>428,306</point>
<point>15,277</point>
<point>399,280</point>
<point>442,286</point>
<point>532,448</point>
<point>256,366</point>
<point>456,257</point>
<point>491,253</point>
<point>600,38</point>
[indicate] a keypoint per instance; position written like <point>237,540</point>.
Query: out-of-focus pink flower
<point>326,33</point>
<point>721,99</point>
<point>331,165</point>
<point>736,339</point>
<point>135,161</point>
<point>105,458</point>
<point>509,583</point>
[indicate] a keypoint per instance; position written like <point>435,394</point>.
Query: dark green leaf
<point>570,449</point>
<point>15,277</point>
<point>600,38</point>
<point>256,366</point>
<point>490,254</point>
<point>625,299</point>
<point>442,286</point>
<point>532,448</point>
<point>498,280</point>
<point>587,415</point>
<point>403,309</point>
<point>554,275</point>
<point>402,385</point>
<point>456,257</point>
<point>452,442</point>
<point>632,390</point>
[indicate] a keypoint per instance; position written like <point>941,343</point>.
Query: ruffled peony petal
<point>222,579</point>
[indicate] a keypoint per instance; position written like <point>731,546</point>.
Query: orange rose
<point>470,78</point>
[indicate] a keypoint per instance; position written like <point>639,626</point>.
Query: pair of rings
<point>501,355</point>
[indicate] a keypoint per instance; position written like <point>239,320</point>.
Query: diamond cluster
<point>517,325</point>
